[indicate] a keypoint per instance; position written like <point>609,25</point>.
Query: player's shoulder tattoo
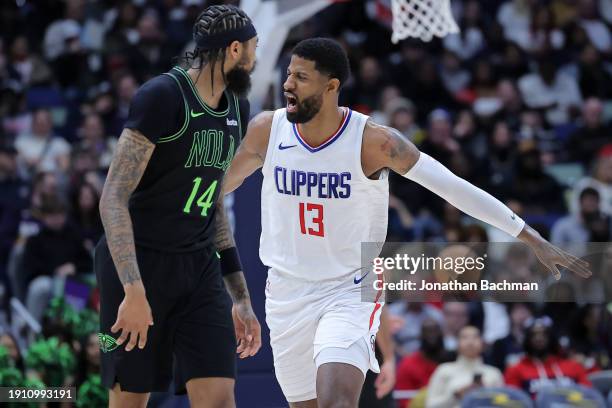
<point>391,146</point>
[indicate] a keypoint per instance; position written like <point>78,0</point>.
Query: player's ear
<point>234,50</point>
<point>333,85</point>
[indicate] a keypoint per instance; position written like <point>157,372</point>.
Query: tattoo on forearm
<point>132,154</point>
<point>224,237</point>
<point>236,286</point>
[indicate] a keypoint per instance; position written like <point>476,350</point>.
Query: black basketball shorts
<point>193,333</point>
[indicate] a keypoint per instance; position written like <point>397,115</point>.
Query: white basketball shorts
<point>307,317</point>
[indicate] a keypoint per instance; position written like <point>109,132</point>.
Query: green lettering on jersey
<point>198,149</point>
<point>207,148</point>
<point>215,143</point>
<point>230,155</point>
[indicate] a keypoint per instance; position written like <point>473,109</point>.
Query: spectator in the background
<point>511,103</point>
<point>13,199</point>
<point>513,62</point>
<point>39,149</point>
<point>406,319</point>
<point>572,231</point>
<point>150,55</point>
<point>515,17</point>
<point>404,69</point>
<point>588,343</point>
<point>456,317</point>
<point>507,351</point>
<point>543,366</point>
<point>439,141</point>
<point>601,180</point>
<point>126,87</point>
<point>9,341</point>
<point>61,33</point>
<point>452,381</point>
<point>387,95</point>
<point>44,184</point>
<point>64,48</point>
<point>56,251</point>
<point>85,167</point>
<point>483,83</point>
<point>470,40</point>
<point>538,192</point>
<point>543,36</point>
<point>592,134</point>
<point>179,17</point>
<point>401,222</point>
<point>86,215</point>
<point>364,94</point>
<point>123,31</point>
<point>593,77</point>
<point>473,142</point>
<point>427,87</point>
<point>533,129</point>
<point>598,32</point>
<point>564,11</point>
<point>415,369</point>
<point>95,140</point>
<point>551,91</point>
<point>402,116</point>
<point>88,362</point>
<point>501,161</point>
<point>454,76</point>
<point>28,68</point>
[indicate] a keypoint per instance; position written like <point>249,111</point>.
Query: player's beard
<point>306,109</point>
<point>238,79</point>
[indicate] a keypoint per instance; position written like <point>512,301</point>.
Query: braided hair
<point>215,20</point>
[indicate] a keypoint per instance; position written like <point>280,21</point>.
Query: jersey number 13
<point>315,211</point>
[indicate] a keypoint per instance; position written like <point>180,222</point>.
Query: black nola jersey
<point>173,207</point>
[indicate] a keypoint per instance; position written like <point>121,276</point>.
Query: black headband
<point>224,39</point>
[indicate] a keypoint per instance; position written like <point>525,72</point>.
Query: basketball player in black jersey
<point>167,247</point>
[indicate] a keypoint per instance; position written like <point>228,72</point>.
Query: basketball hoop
<point>422,19</point>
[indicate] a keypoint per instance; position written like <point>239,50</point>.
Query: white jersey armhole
<point>384,174</point>
<point>279,114</point>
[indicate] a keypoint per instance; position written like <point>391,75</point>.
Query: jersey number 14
<point>205,201</point>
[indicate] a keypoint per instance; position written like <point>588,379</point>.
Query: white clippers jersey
<point>317,205</point>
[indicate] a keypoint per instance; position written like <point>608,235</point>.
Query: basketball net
<point>422,19</point>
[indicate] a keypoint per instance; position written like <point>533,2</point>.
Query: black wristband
<point>230,261</point>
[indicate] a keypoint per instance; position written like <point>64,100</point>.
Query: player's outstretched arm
<point>248,330</point>
<point>132,154</point>
<point>386,147</point>
<point>251,153</point>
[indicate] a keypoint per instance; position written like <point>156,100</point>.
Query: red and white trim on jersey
<point>329,140</point>
<point>377,304</point>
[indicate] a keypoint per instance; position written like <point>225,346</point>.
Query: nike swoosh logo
<point>281,147</point>
<point>196,114</point>
<point>356,281</point>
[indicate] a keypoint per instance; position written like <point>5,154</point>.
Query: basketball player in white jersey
<point>324,192</point>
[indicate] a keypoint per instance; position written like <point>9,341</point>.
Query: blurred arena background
<point>519,103</point>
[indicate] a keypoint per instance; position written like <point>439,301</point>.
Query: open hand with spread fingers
<point>552,257</point>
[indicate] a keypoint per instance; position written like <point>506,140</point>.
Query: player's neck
<point>322,126</point>
<point>209,92</point>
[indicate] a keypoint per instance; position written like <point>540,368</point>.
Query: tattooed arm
<point>132,154</point>
<point>224,239</point>
<point>248,330</point>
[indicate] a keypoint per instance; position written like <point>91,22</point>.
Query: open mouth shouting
<point>292,102</point>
